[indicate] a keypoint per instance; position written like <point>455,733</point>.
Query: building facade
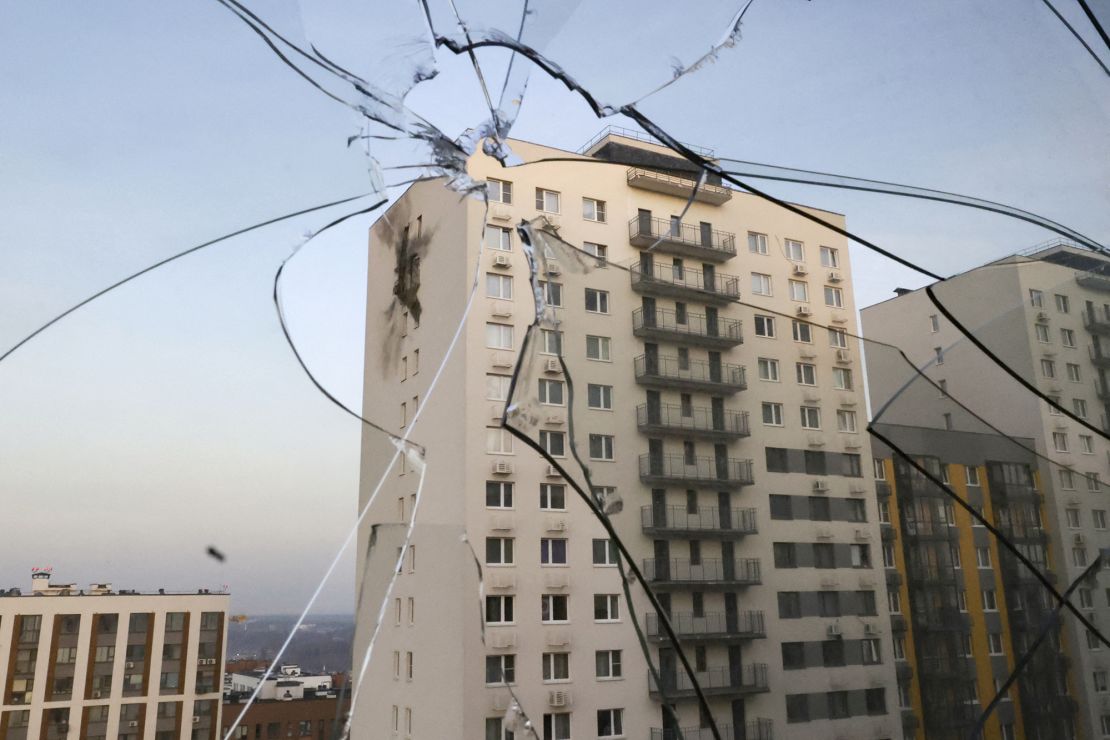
<point>733,435</point>
<point>101,663</point>
<point>1045,313</point>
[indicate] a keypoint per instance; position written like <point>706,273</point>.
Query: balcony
<point>718,681</point>
<point>697,421</point>
<point>928,530</point>
<point>712,627</point>
<point>1096,324</point>
<point>708,472</point>
<point>684,283</point>
<point>681,573</point>
<point>693,375</point>
<point>1093,280</point>
<point>705,521</point>
<point>700,241</point>
<point>882,489</point>
<point>887,532</point>
<point>898,623</point>
<point>753,729</point>
<point>677,185</point>
<point>1099,356</point>
<point>666,325</point>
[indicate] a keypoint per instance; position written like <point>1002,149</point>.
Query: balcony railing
<point>1099,356</point>
<point>753,729</point>
<point>682,572</point>
<point>677,185</point>
<point>882,489</point>
<point>680,470</point>
<point>1093,280</point>
<point>695,421</point>
<point>686,327</point>
<point>658,278</point>
<point>717,681</point>
<point>696,375</point>
<point>928,529</point>
<point>672,237</point>
<point>1096,324</point>
<point>716,626</point>
<point>704,521</point>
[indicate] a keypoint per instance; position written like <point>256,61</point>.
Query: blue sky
<point>171,416</point>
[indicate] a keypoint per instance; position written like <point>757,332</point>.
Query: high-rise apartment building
<point>1045,313</point>
<point>733,437</point>
<point>100,663</point>
<point>963,609</point>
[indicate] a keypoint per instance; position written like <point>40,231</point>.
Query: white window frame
<point>598,208</point>
<point>776,414</point>
<point>604,397</point>
<point>604,348</point>
<point>768,369</point>
<point>497,334</point>
<point>808,414</point>
<point>543,196</point>
<point>836,295</point>
<point>762,284</point>
<point>600,301</point>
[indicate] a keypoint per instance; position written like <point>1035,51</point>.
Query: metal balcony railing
<point>717,681</point>
<point>670,371</point>
<point>679,571</point>
<point>928,529</point>
<point>692,421</point>
<point>694,240</point>
<point>1099,356</point>
<point>662,279</point>
<point>1096,324</point>
<point>753,729</point>
<point>711,626</point>
<point>678,184</point>
<point>704,520</point>
<point>689,328</point>
<point>694,471</point>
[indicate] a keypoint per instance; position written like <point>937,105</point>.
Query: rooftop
<point>41,585</point>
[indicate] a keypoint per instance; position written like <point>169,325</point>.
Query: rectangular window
<point>805,373</point>
<point>802,331</point>
<point>599,397</point>
<point>845,420</point>
<point>1060,441</point>
<point>500,191</point>
<point>552,293</point>
<point>1063,304</point>
<point>610,723</point>
<point>842,378</point>
<point>830,257</point>
<point>499,336</point>
<point>601,447</point>
<point>597,301</point>
<point>799,291</point>
<point>834,297</point>
<point>547,201</point>
<point>556,727</point>
<point>600,251</point>
<point>793,656</point>
<point>499,494</point>
<point>500,669</point>
<point>765,326</point>
<point>1086,444</point>
<point>551,342</point>
<point>499,286</point>
<point>797,708</point>
<point>498,441</point>
<point>1079,557</point>
<point>761,284</point>
<point>593,210</point>
<point>757,243</point>
<point>934,323</point>
<point>608,663</point>
<point>1067,479</point>
<point>994,643</point>
<point>838,704</point>
<point>861,555</point>
<point>554,443</point>
<point>989,602</point>
<point>499,238</point>
<point>1099,517</point>
<point>1073,372</point>
<point>772,414</point>
<point>1042,333</point>
<point>1067,337</point>
<point>1036,298</point>
<point>983,557</point>
<point>556,666</point>
<point>604,552</point>
<point>795,251</point>
<point>972,475</point>
<point>838,338</point>
<point>597,348</point>
<point>553,608</point>
<point>1048,368</point>
<point>768,369</point>
<point>553,551</point>
<point>785,555</point>
<point>606,608</point>
<point>499,609</point>
<point>552,392</point>
<point>790,605</point>
<point>811,417</point>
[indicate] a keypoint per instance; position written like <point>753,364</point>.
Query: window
<point>1063,304</point>
<point>1100,682</point>
<point>776,460</point>
<point>499,609</point>
<point>938,353</point>
<point>604,552</point>
<point>1079,557</point>
<point>553,608</point>
<point>972,475</point>
<point>797,708</point>
<point>1067,337</point>
<point>1042,333</point>
<point>554,443</point>
<point>819,509</point>
<point>552,392</point>
<point>799,291</point>
<point>894,602</point>
<point>1099,517</point>
<point>785,555</point>
<point>499,494</point>
<point>842,378</point>
<point>934,324</point>
<point>499,336</point>
<point>606,608</point>
<point>830,257</point>
<point>553,551</point>
<point>1036,298</point>
<point>597,301</point>
<point>880,469</point>
<point>838,338</point>
<point>593,210</point>
<point>500,669</point>
<point>499,238</point>
<point>834,297</point>
<point>795,251</point>
<point>870,650</point>
<point>1048,368</point>
<point>599,397</point>
<point>499,441</point>
<point>1073,372</point>
<point>500,191</point>
<point>793,656</point>
<point>761,284</point>
<point>597,250</point>
<point>547,201</point>
<point>888,556</point>
<point>857,510</point>
<point>607,663</point>
<point>875,700</point>
<point>803,332</point>
<point>610,723</point>
<point>853,467</point>
<point>861,555</point>
<point>765,326</point>
<point>499,286</point>
<point>551,342</point>
<point>601,447</point>
<point>994,643</point>
<point>811,417</point>
<point>553,497</point>
<point>1092,481</point>
<point>757,243</point>
<point>1072,517</point>
<point>556,727</point>
<point>772,414</point>
<point>552,293</point>
<point>1086,444</point>
<point>1052,407</point>
<point>989,602</point>
<point>768,369</point>
<point>806,373</point>
<point>838,704</point>
<point>1067,479</point>
<point>899,647</point>
<point>790,605</point>
<point>1060,441</point>
<point>556,666</point>
<point>597,348</point>
<point>824,556</point>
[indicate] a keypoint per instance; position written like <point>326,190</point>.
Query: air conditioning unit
<point>552,472</point>
<point>835,277</point>
<point>133,723</point>
<point>803,310</point>
<point>557,638</point>
<point>834,631</point>
<point>502,260</point>
<point>500,467</point>
<point>870,629</point>
<point>799,269</point>
<point>1042,316</point>
<point>501,309</point>
<point>502,359</point>
<point>820,486</point>
<point>556,420</point>
<point>553,268</point>
<point>1079,539</point>
<point>862,535</point>
<point>555,524</point>
<point>501,522</point>
<point>502,639</point>
<point>824,533</point>
<point>843,356</point>
<point>498,212</point>
<point>558,698</point>
<point>551,365</point>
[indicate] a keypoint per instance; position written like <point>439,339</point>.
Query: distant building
<point>291,704</point>
<point>284,684</point>
<point>100,663</point>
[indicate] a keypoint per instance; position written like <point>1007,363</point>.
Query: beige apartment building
<point>733,436</point>
<point>99,663</point>
<point>1045,313</point>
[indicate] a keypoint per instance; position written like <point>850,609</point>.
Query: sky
<point>170,415</point>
